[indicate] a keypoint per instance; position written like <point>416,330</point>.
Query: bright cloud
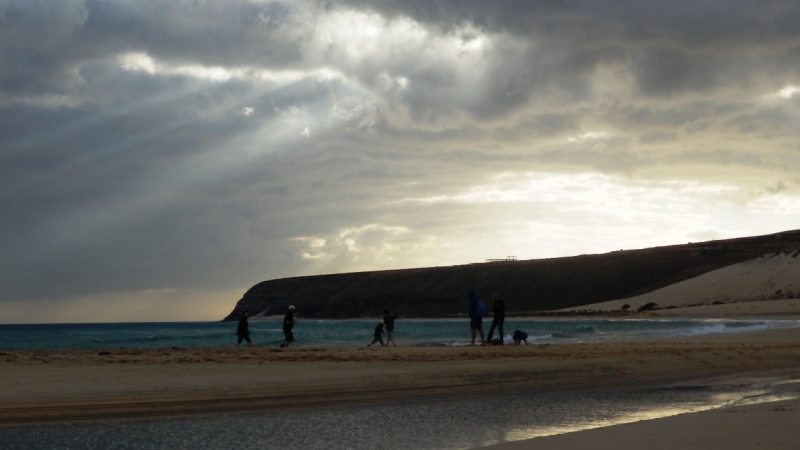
<point>788,91</point>
<point>142,62</point>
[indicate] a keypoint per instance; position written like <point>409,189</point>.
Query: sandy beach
<point>57,386</point>
<point>764,426</point>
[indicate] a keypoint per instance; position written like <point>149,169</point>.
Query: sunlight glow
<point>353,40</point>
<point>587,136</point>
<point>588,188</point>
<point>137,306</point>
<point>370,239</point>
<point>142,62</point>
<point>474,44</point>
<point>531,205</point>
<point>363,35</point>
<point>372,227</point>
<point>540,215</point>
<point>788,91</point>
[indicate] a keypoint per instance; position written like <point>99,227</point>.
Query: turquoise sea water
<point>354,332</point>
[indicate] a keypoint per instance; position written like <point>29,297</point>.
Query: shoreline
<point>741,310</point>
<point>57,386</point>
<point>209,337</point>
<point>766,425</point>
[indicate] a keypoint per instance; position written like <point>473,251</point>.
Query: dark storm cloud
<point>44,43</point>
<point>231,33</point>
<point>664,72</point>
<point>32,35</point>
<point>673,47</point>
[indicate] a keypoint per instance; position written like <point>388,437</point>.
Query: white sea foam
<point>726,328</point>
<point>540,338</point>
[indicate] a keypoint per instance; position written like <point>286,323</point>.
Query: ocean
<point>312,332</point>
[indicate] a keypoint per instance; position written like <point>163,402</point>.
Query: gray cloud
<point>673,48</point>
<point>31,44</point>
<point>177,145</point>
<point>664,72</point>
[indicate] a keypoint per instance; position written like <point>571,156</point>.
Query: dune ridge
<point>769,277</point>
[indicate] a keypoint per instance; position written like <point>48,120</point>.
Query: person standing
<point>499,312</point>
<point>389,322</point>
<point>288,324</point>
<point>242,330</point>
<point>475,316</point>
<point>377,336</point>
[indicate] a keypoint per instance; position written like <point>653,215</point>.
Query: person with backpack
<point>499,313</point>
<point>477,311</point>
<point>242,330</point>
<point>377,336</point>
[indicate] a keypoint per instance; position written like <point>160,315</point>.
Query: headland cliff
<point>527,286</point>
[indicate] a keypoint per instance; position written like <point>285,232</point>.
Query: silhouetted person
<point>288,324</point>
<point>377,336</point>
<point>475,316</point>
<point>389,322</point>
<point>242,330</point>
<point>499,312</point>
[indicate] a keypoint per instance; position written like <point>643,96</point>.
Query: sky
<point>159,157</point>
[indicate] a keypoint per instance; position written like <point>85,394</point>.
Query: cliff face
<point>532,285</point>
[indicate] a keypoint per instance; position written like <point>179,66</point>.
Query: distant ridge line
<point>506,259</point>
<point>526,285</point>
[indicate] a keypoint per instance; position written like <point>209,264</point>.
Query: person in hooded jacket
<point>475,318</point>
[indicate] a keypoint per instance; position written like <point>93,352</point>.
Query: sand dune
<point>774,276</point>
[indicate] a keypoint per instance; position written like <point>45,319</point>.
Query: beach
<point>770,425</point>
<point>65,386</point>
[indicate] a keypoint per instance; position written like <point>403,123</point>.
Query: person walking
<point>475,315</point>
<point>389,322</point>
<point>377,336</point>
<point>242,330</point>
<point>288,324</point>
<point>499,312</point>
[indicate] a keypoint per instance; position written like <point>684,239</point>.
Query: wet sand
<point>763,426</point>
<point>52,386</point>
<point>771,425</point>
